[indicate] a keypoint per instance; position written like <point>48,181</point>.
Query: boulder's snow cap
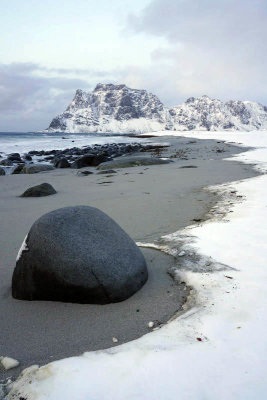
<point>22,248</point>
<point>118,109</point>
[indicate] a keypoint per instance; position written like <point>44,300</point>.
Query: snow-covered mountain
<point>118,109</point>
<point>208,114</point>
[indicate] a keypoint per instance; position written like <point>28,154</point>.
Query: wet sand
<point>147,202</point>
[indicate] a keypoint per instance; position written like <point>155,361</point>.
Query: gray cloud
<point>214,47</point>
<point>29,100</point>
<point>206,21</point>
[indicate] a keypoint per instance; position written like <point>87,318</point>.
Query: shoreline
<point>154,202</point>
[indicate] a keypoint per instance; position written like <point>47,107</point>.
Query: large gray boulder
<point>78,254</point>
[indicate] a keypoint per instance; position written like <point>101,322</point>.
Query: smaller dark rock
<point>45,189</point>
<point>90,160</point>
<point>27,157</point>
<point>82,162</point>
<point>6,162</point>
<point>188,166</point>
<point>62,163</point>
<point>50,152</point>
<point>14,157</point>
<point>36,153</point>
<point>2,171</point>
<point>18,169</point>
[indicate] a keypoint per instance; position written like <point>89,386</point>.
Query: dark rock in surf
<point>18,169</point>
<point>62,163</point>
<point>6,162</point>
<point>14,157</point>
<point>89,160</point>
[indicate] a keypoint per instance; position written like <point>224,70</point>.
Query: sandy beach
<point>147,202</point>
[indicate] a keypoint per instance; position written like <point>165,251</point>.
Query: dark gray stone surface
<point>14,157</point>
<point>78,254</point>
<point>45,189</point>
<point>2,171</point>
<point>34,169</point>
<point>62,163</point>
<point>6,162</point>
<point>18,169</point>
<point>89,160</point>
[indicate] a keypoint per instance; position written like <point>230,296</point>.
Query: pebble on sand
<point>44,189</point>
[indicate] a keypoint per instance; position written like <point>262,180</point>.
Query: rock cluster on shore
<point>78,254</point>
<point>89,156</point>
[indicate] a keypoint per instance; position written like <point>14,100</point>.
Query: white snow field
<point>217,349</point>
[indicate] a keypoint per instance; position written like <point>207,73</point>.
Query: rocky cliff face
<point>118,109</point>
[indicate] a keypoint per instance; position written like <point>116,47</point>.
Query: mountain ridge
<point>113,108</point>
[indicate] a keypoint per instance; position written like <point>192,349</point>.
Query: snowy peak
<point>80,100</point>
<point>108,86</point>
<point>113,108</point>
<point>204,113</point>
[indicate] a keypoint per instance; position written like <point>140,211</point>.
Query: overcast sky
<point>173,48</point>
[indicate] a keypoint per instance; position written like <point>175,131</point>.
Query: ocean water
<point>19,142</point>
